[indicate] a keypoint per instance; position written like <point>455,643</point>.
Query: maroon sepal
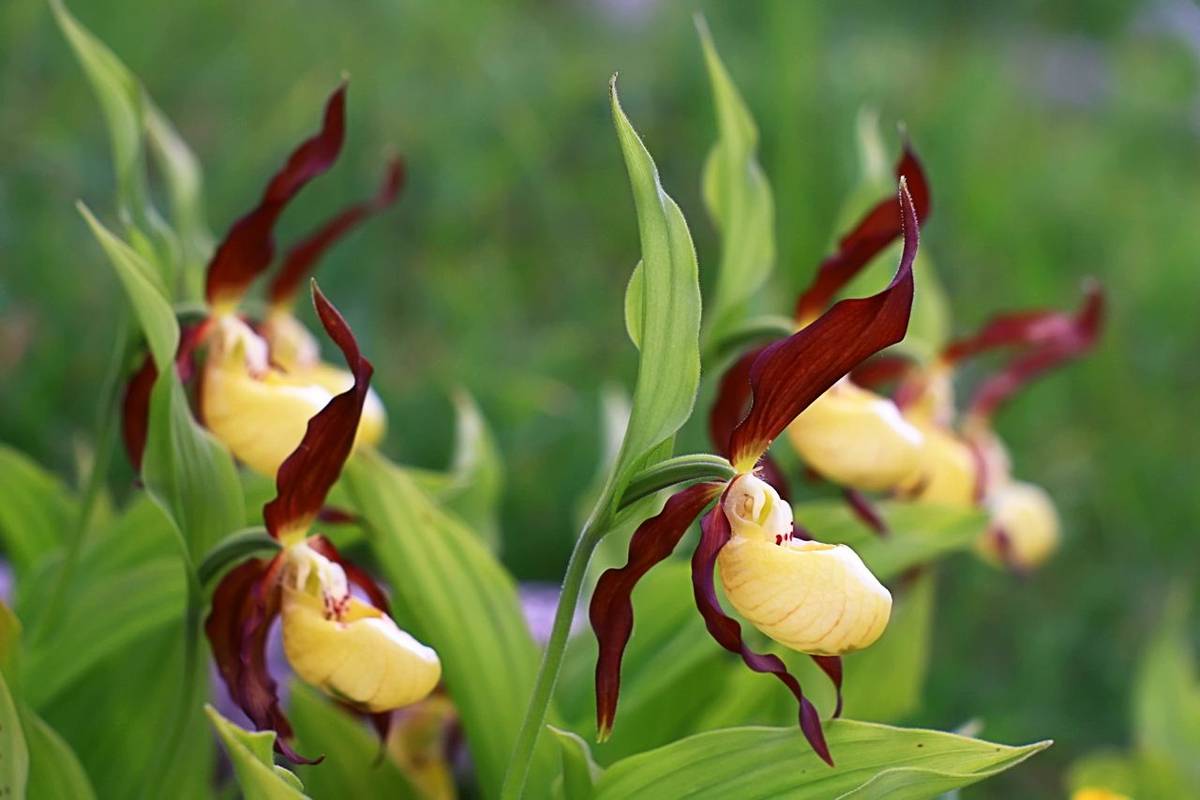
<point>249,246</point>
<point>244,605</point>
<point>332,515</point>
<point>307,475</point>
<point>301,257</point>
<point>1070,341</point>
<point>865,510</point>
<point>611,609</point>
<point>832,666</point>
<point>732,400</point>
<point>873,233</point>
<point>135,406</point>
<point>788,375</point>
<point>355,574</point>
<point>878,372</point>
<point>728,633</point>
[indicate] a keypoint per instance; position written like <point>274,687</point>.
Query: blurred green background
<point>1061,140</point>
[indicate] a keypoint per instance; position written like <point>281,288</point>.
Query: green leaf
<point>884,682</point>
<point>738,197</point>
<point>669,329</point>
<point>188,472</point>
<point>146,291</point>
<point>635,301</point>
<point>352,766</point>
<point>234,549</point>
<point>14,754</point>
<point>873,761</point>
<point>579,771</point>
<point>477,473</point>
<point>917,533</point>
<point>253,762</point>
<point>1166,696</point>
<point>54,771</point>
<point>36,510</point>
<point>451,593</point>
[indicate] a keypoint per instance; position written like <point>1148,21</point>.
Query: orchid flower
<point>347,647</point>
<point>260,383</point>
<point>811,597</point>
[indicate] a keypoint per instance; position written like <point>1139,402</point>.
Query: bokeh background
<point>1062,140</point>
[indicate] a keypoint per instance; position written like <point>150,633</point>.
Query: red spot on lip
<point>778,539</point>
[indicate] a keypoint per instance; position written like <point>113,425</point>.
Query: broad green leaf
<point>121,99</point>
<point>737,195</point>
<point>188,472</point>
<point>669,331</point>
<point>917,533</point>
<point>884,682</point>
<point>453,595</point>
<point>146,291</point>
<point>36,509</point>
<point>54,771</point>
<point>14,754</point>
<point>634,304</point>
<point>579,771</point>
<point>253,762</point>
<point>477,473</point>
<point>1166,696</point>
<point>353,766</point>
<point>106,614</point>
<point>873,761</point>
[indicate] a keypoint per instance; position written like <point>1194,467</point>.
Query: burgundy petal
<point>865,510</point>
<point>250,244</point>
<point>873,233</point>
<point>1069,342</point>
<point>728,632</point>
<point>1011,330</point>
<point>832,666</point>
<point>791,373</point>
<point>307,475</point>
<point>244,606</point>
<point>334,515</point>
<point>877,372</point>
<point>300,259</point>
<point>611,609</point>
<point>732,400</point>
<point>357,576</point>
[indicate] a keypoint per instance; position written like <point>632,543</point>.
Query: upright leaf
<point>873,761</point>
<point>14,754</point>
<point>669,330</point>
<point>477,473</point>
<point>738,198</point>
<point>35,510</point>
<point>54,771</point>
<point>253,762</point>
<point>579,771</point>
<point>452,594</point>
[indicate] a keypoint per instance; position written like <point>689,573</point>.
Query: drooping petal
<point>244,606</point>
<point>1016,329</point>
<point>305,478</point>
<point>732,400</point>
<point>728,633</point>
<point>611,609</point>
<point>832,667</point>
<point>873,233</point>
<point>301,257</point>
<point>1071,342</point>
<point>249,246</point>
<point>791,373</point>
<point>877,372</point>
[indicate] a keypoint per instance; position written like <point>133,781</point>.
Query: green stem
<point>681,469</point>
<point>106,435</point>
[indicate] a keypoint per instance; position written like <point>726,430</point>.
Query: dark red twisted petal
<point>244,606</point>
<point>334,515</point>
<point>865,510</point>
<point>1070,342</point>
<point>789,374</point>
<point>307,475</point>
<point>732,400</point>
<point>301,257</point>
<point>877,372</point>
<point>832,667</point>
<point>249,246</point>
<point>135,406</point>
<point>1011,330</point>
<point>728,633</point>
<point>357,576</point>
<point>871,236</point>
<point>611,609</point>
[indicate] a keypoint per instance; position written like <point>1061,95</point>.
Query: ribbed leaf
<point>35,510</point>
<point>873,761</point>
<point>737,196</point>
<point>54,771</point>
<point>579,771</point>
<point>14,754</point>
<point>454,596</point>
<point>477,473</point>
<point>669,329</point>
<point>254,763</point>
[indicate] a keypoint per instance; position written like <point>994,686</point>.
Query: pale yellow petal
<point>1024,526</point>
<point>948,470</point>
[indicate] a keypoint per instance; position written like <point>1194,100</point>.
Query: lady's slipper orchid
<point>815,598</point>
<point>261,383</point>
<point>346,646</point>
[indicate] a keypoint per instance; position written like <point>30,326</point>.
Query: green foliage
<point>35,510</point>
<point>54,771</point>
<point>871,761</point>
<point>14,753</point>
<point>579,771</point>
<point>254,761</point>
